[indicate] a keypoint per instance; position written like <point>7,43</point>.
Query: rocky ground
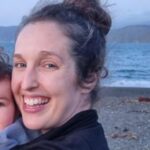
<point>126,119</point>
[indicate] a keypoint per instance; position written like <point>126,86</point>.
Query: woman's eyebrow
<point>47,54</point>
<point>17,56</point>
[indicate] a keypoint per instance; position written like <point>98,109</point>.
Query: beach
<point>124,113</point>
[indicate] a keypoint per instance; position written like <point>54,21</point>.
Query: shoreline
<point>107,91</point>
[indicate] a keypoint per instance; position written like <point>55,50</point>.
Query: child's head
<point>7,106</point>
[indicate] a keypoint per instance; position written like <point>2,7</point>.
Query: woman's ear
<point>89,84</point>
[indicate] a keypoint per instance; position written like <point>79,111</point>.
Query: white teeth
<point>35,101</point>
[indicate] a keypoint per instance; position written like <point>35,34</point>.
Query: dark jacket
<point>82,132</point>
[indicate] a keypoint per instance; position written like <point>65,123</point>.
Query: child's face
<point>7,108</point>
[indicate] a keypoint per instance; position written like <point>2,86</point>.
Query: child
<point>12,130</point>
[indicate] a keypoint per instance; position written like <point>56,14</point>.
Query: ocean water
<point>128,64</point>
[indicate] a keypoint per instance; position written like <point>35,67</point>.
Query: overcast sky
<point>123,12</point>
<point>128,12</point>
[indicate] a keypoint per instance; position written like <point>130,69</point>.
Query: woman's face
<point>44,79</point>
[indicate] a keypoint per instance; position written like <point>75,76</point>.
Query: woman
<point>58,59</point>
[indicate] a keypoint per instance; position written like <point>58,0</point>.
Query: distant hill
<point>8,33</point>
<point>130,34</point>
<point>127,34</point>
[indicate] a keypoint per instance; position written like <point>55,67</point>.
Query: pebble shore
<point>125,118</point>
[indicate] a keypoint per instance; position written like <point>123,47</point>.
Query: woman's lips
<point>34,104</point>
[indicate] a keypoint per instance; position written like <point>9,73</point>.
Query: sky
<point>129,12</point>
<point>123,12</point>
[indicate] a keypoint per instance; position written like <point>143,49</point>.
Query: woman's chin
<point>31,123</point>
<point>32,126</point>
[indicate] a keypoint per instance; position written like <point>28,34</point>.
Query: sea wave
<point>127,83</point>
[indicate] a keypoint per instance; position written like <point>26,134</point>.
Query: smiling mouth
<point>35,101</point>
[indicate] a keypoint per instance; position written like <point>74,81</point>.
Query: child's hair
<point>5,67</point>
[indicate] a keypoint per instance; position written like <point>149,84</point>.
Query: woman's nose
<point>30,80</point>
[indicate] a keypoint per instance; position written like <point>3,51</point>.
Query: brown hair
<point>94,12</point>
<point>5,67</point>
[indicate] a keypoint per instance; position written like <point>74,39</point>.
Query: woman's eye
<point>19,65</point>
<point>50,66</point>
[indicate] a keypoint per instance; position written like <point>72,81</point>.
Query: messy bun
<point>94,12</point>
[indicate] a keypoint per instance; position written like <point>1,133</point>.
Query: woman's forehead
<point>48,29</point>
<point>42,36</point>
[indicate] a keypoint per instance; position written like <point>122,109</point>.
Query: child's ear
<point>89,84</point>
